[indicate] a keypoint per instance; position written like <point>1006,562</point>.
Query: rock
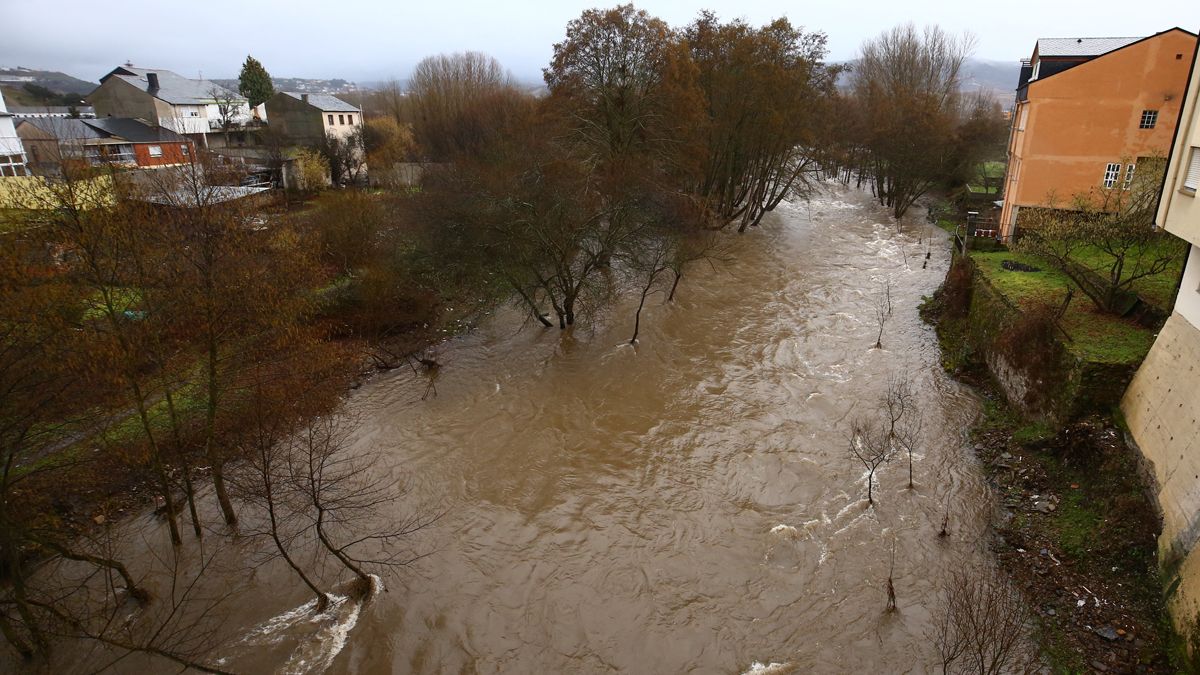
<point>1100,666</point>
<point>1043,506</point>
<point>1107,632</point>
<point>1050,612</point>
<point>1006,456</point>
<point>99,520</point>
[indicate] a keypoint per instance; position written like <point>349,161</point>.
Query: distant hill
<point>999,78</point>
<point>301,84</point>
<point>59,83</point>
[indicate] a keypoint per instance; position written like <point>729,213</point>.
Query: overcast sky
<point>375,39</point>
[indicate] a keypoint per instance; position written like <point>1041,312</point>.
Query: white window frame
<point>1191,173</point>
<point>1129,169</point>
<point>1148,120</point>
<point>155,151</point>
<point>1112,173</point>
<point>1024,117</point>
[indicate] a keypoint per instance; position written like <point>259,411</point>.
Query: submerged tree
<point>906,85</point>
<point>870,446</point>
<point>763,92</point>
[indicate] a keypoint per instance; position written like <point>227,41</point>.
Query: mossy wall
<point>1044,380</point>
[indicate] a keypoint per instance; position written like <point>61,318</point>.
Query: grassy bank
<point>1090,334</point>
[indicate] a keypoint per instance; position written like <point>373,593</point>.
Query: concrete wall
<point>1162,409</point>
<point>1079,120</point>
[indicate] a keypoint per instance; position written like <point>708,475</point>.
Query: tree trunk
<point>674,285</point>
<point>218,472</point>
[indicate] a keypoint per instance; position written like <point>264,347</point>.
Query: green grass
<point>1077,524</point>
<point>981,190</point>
<point>1032,433</point>
<point>1095,336</point>
<point>993,169</point>
<point>1158,289</point>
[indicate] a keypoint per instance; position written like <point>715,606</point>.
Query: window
<point>155,150</point>
<point>1129,175</point>
<point>341,119</point>
<point>183,149</point>
<point>330,119</point>
<point>1111,173</point>
<point>1036,68</point>
<point>1191,180</point>
<point>1149,119</point>
<point>351,119</point>
<point>13,165</point>
<point>1024,117</point>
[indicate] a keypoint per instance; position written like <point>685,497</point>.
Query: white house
<point>189,106</point>
<point>12,152</point>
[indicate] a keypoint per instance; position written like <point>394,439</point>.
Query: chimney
<point>152,79</point>
<point>304,97</point>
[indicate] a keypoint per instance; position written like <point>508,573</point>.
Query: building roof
<point>134,130</point>
<point>210,194</point>
<point>1082,46</point>
<point>30,110</point>
<point>117,129</point>
<point>67,128</point>
<point>323,102</point>
<point>172,87</point>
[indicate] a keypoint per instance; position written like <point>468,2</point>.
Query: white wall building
<point>12,152</point>
<point>188,106</point>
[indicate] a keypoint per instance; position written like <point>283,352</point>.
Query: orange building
<point>1087,110</point>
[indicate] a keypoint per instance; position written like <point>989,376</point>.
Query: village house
<point>193,107</point>
<point>1161,406</point>
<point>12,151</point>
<point>105,141</point>
<point>306,119</point>
<point>1088,111</point>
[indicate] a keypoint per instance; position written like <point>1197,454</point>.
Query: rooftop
<point>125,129</point>
<point>172,87</point>
<point>324,102</point>
<point>1082,46</point>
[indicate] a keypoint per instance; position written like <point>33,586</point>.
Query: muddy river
<point>685,505</point>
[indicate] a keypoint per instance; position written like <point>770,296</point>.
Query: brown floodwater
<point>685,505</point>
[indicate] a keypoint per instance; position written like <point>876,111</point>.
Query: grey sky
<point>377,39</point>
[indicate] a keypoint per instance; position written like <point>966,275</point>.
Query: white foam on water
<point>785,530</point>
<point>772,668</point>
<point>315,650</point>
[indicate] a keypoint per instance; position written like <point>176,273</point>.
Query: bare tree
<point>229,108</point>
<point>881,316</point>
<point>891,587</point>
<point>870,446</point>
<point>982,625</point>
<point>1105,240</point>
<point>899,403</point>
<point>906,85</point>
<point>344,497</point>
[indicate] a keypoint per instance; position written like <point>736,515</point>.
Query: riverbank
<point>1075,526</point>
